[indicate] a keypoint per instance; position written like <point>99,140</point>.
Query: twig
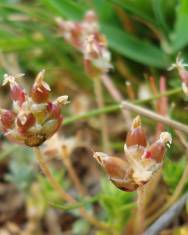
<point>116,107</point>
<point>103,119</point>
<point>167,217</point>
<point>66,160</point>
<point>64,195</point>
<point>154,116</point>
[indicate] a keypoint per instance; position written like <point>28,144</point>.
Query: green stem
<point>116,107</point>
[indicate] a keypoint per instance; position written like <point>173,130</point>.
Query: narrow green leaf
<point>141,8</point>
<point>158,8</point>
<point>135,49</point>
<point>13,44</point>
<point>65,8</point>
<point>180,35</point>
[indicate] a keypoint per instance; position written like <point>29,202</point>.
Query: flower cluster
<point>140,162</point>
<point>183,73</point>
<point>86,37</point>
<point>33,118</point>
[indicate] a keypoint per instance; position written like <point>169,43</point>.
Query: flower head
<point>86,37</point>
<point>140,161</point>
<point>183,73</point>
<point>34,117</point>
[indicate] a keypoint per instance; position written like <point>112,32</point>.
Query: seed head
<point>86,37</point>
<point>34,117</point>
<point>140,162</point>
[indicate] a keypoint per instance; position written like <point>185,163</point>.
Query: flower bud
<point>40,90</point>
<point>51,126</point>
<point>115,167</point>
<point>118,171</point>
<point>136,136</point>
<point>16,92</point>
<point>7,118</point>
<point>183,74</point>
<point>54,111</point>
<point>157,149</point>
<point>24,122</point>
<point>90,16</point>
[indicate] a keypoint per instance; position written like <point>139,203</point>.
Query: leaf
<point>13,44</point>
<point>158,8</point>
<point>65,8</point>
<point>135,49</point>
<point>104,10</point>
<point>180,35</point>
<point>172,172</point>
<point>141,8</point>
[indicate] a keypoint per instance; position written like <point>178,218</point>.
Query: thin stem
<point>130,91</point>
<point>140,216</point>
<point>154,116</point>
<point>64,195</point>
<point>182,139</point>
<point>73,176</point>
<point>116,95</point>
<point>116,107</point>
<point>103,119</point>
<point>57,187</point>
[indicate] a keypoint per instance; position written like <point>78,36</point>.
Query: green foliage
<point>81,227</point>
<point>134,48</point>
<point>172,172</point>
<point>22,171</point>
<point>116,203</point>
<point>180,35</point>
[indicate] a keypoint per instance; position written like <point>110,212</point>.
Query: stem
<point>140,210</point>
<point>67,162</point>
<point>57,187</point>
<point>64,195</point>
<point>155,116</point>
<point>182,139</point>
<point>116,95</point>
<point>103,119</point>
<point>130,91</point>
<point>116,107</point>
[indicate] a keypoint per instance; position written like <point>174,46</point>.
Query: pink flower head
<point>86,37</point>
<point>140,161</point>
<point>34,117</point>
<point>183,73</point>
